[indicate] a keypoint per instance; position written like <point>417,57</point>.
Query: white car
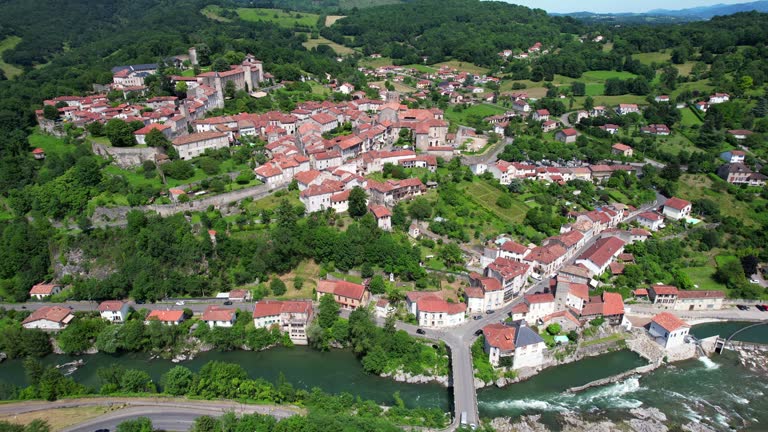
<point>180,303</point>
<point>754,281</point>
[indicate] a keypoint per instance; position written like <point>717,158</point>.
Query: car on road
<point>761,307</point>
<point>101,430</point>
<point>742,307</point>
<point>754,281</point>
<point>490,311</point>
<point>227,303</point>
<point>477,317</point>
<point>765,307</point>
<point>479,332</point>
<point>420,331</point>
<point>180,303</point>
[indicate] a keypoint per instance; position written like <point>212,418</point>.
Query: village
<point>529,306</point>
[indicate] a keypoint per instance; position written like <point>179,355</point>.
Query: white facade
<point>440,319</point>
<point>668,339</point>
<point>116,316</point>
<point>189,150</point>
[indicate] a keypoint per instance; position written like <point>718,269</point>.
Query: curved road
<point>166,414</point>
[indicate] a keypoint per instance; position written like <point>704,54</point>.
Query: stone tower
<point>193,56</point>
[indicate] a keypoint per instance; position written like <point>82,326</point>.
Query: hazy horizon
<point>602,6</point>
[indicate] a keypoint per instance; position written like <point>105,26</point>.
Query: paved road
<point>197,306</point>
<point>166,414</point>
<point>727,314</point>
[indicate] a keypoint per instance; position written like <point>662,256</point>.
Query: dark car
<point>479,332</point>
<point>101,430</point>
<point>477,317</point>
<point>489,311</point>
<point>765,307</point>
<point>420,331</point>
<point>761,307</point>
<point>742,307</point>
<point>227,303</point>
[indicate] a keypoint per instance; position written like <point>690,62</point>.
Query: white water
<point>708,363</point>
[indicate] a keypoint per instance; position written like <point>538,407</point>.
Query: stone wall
<point>125,157</point>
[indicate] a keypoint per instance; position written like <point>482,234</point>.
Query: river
<point>335,371</point>
<point>716,391</point>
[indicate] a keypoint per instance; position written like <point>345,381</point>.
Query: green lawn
<point>602,76</point>
<point>652,57</point>
<point>279,17</point>
<point>486,195</point>
<point>595,89</point>
<point>696,186</point>
<point>339,49</point>
<point>676,142</point>
<point>272,201</point>
<point>689,118</point>
<point>703,278</point>
<point>463,67</point>
<point>374,63</point>
<point>481,110</point>
<point>610,338</point>
<point>6,44</point>
<point>50,144</point>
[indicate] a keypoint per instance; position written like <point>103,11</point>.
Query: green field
<point>602,76</point>
<point>463,66</point>
<point>486,195</point>
<point>703,278</point>
<point>696,186</point>
<point>689,118</point>
<point>50,144</point>
<point>9,43</point>
<point>675,143</point>
<point>279,17</point>
<point>482,110</point>
<point>340,49</point>
<point>652,57</point>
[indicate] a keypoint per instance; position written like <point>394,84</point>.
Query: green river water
<point>717,391</point>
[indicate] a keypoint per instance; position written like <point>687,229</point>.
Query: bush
<point>553,329</point>
<point>597,322</point>
<point>504,202</point>
<point>277,286</point>
<point>179,170</point>
<point>209,165</point>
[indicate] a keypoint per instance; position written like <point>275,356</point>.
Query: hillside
<point>468,30</point>
<point>707,12</point>
<point>322,6</point>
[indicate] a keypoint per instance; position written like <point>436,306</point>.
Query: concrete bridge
<point>723,344</point>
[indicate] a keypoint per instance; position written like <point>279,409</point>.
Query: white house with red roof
<point>719,98</point>
<point>484,293</point>
<point>515,346</point>
<point>193,145</point>
<point>383,216</point>
<point>49,318</point>
<point>217,316</point>
<point>541,115</point>
<point>291,317</point>
<point>512,275</point>
<point>733,156</point>
<point>599,256</point>
<point>539,305</point>
<point>347,294</point>
<point>651,220</point>
<point>668,330</point>
<point>622,150</point>
<point>432,311</point>
<point>115,311</point>
<point>544,260</point>
<point>43,290</point>
<point>572,295</point>
<point>663,295</point>
<point>567,135</point>
<point>676,208</point>
<point>141,134</point>
<point>166,317</point>
<point>624,109</point>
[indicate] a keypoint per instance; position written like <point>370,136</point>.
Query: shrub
<point>553,329</point>
<point>179,170</point>
<point>277,286</point>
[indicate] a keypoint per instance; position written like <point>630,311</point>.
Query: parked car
<point>180,303</point>
<point>489,311</point>
<point>761,308</point>
<point>227,303</point>
<point>420,331</point>
<point>742,307</point>
<point>479,332</point>
<point>754,281</point>
<point>765,308</point>
<point>477,317</point>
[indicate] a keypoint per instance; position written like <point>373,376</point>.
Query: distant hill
<point>665,16</point>
<point>322,6</point>
<point>707,12</point>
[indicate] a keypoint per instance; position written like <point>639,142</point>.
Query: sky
<point>611,6</point>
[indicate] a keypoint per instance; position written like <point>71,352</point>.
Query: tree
<point>120,133</point>
<point>141,424</point>
<point>50,112</point>
<point>749,263</point>
<point>136,381</point>
<point>504,201</point>
<point>328,311</point>
<point>554,329</point>
<point>420,209</point>
<point>277,286</point>
<point>578,88</point>
<point>451,254</point>
<point>177,381</point>
<point>155,138</point>
<point>377,286</point>
<point>357,202</point>
<point>220,65</point>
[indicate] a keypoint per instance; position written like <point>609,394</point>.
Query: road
<point>729,314</point>
<point>166,414</point>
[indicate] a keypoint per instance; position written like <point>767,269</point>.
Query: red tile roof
<point>273,307</point>
<point>435,305</point>
<point>150,127</point>
<point>664,289</point>
<point>43,289</point>
<point>616,268</point>
<point>237,294</point>
<point>703,294</point>
<point>192,138</point>
<point>676,203</point>
<point>539,298</point>
<point>520,308</point>
<point>380,211</point>
<point>651,216</point>
<point>474,292</point>
<point>579,290</point>
<point>569,132</point>
<point>640,292</point>
<point>111,305</point>
<point>166,315</point>
<point>218,313</point>
<point>612,304</point>
<point>51,313</point>
<point>507,268</point>
<point>513,247</point>
<point>603,250</point>
<point>341,288</point>
<point>500,336</point>
<point>669,322</point>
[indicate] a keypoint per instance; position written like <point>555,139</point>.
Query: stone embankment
<point>405,377</point>
<point>640,420</point>
<point>612,379</point>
